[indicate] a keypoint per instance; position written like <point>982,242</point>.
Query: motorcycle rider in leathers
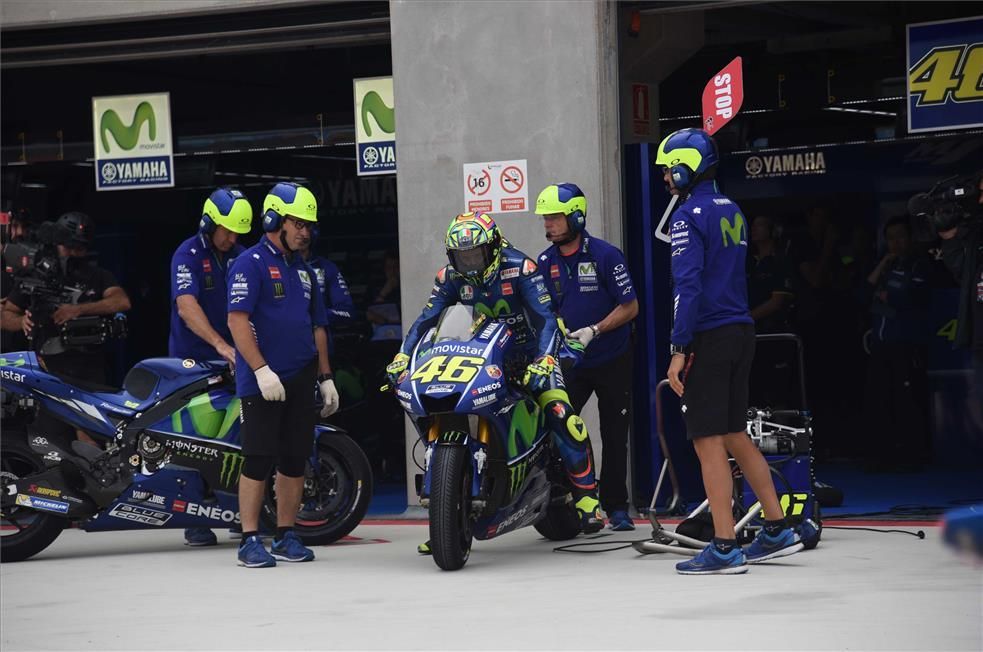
<point>505,285</point>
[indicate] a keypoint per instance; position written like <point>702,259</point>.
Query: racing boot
<point>589,510</point>
<point>424,548</point>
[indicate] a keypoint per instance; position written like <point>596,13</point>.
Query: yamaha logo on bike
<point>187,363</point>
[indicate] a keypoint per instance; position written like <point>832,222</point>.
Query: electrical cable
<point>619,545</point>
<point>920,533</point>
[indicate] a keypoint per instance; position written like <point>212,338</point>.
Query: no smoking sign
<point>496,187</point>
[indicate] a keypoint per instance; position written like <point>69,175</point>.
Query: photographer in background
<point>962,253</point>
<point>14,228</point>
<point>94,292</point>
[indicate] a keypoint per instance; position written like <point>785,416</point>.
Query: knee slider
<point>257,467</point>
<point>565,421</point>
<point>292,466</point>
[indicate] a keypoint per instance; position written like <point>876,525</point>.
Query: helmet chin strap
<point>283,241</point>
<point>569,237</point>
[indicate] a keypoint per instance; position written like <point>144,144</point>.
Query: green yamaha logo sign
<point>132,141</point>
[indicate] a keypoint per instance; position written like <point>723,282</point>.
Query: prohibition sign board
<point>512,179</point>
<point>496,186</point>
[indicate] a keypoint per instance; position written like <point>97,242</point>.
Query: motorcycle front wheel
<point>337,492</point>
<point>24,532</point>
<point>450,507</point>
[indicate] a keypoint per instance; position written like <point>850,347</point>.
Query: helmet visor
<point>472,262</point>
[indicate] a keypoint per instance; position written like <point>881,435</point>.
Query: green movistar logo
<point>231,468</point>
<point>385,117</point>
<point>735,232</point>
<point>19,362</point>
<point>524,425</point>
<point>127,137</point>
<point>502,307</point>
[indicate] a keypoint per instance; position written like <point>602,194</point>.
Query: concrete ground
<point>145,591</point>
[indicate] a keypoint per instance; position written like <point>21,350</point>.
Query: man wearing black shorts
<point>712,350</point>
<point>277,319</point>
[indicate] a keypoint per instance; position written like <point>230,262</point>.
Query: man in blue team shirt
<point>334,290</point>
<point>277,318</point>
<point>592,291</point>
<point>198,293</point>
<point>712,349</point>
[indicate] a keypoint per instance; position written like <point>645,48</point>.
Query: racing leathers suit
<point>517,296</point>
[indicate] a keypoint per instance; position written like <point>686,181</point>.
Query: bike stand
<point>664,540</point>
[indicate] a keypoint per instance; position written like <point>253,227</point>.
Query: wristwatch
<point>675,348</point>
<point>323,377</point>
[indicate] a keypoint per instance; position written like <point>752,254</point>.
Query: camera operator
<point>14,228</point>
<point>962,253</point>
<point>94,292</point>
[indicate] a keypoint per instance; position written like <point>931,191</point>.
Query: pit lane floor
<point>146,591</point>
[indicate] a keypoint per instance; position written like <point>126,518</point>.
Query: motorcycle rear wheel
<point>561,523</point>
<point>35,530</point>
<point>450,507</point>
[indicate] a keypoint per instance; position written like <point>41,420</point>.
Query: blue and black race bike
<point>168,456</point>
<point>491,465</point>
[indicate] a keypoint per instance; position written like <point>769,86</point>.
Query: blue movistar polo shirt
<point>585,287</point>
<point>197,270</point>
<point>334,290</point>
<point>279,293</point>
<point>709,247</point>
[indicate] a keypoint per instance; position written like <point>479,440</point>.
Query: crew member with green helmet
<point>592,291</point>
<point>198,292</point>
<point>278,318</point>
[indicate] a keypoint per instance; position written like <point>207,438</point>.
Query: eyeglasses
<point>300,225</point>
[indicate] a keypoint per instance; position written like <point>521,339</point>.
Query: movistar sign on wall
<point>132,141</point>
<point>375,125</point>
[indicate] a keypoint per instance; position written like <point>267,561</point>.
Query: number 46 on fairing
<point>955,70</point>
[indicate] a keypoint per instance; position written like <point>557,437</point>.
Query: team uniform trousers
<point>611,381</point>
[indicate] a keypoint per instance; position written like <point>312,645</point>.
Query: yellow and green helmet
<point>688,154</point>
<point>288,200</point>
<point>474,247</point>
<point>229,208</point>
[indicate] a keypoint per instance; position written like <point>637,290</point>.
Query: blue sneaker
<point>198,537</point>
<point>619,521</point>
<point>252,554</point>
<point>711,562</point>
<point>765,547</point>
<point>290,548</point>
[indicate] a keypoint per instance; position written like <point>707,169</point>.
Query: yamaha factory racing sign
<point>785,164</point>
<point>375,126</point>
<point>131,135</point>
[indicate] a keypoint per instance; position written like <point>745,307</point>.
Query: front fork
<point>438,435</point>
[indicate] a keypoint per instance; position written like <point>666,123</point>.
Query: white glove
<point>269,384</point>
<point>330,396</point>
<point>583,335</point>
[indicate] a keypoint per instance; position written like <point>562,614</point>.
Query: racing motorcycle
<point>169,457</point>
<point>491,466</point>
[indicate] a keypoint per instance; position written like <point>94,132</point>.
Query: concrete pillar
<point>488,81</point>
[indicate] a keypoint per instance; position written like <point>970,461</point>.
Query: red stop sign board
<point>723,96</point>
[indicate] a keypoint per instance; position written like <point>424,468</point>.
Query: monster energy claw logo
<point>231,468</point>
<point>385,117</point>
<point>517,474</point>
<point>127,136</point>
